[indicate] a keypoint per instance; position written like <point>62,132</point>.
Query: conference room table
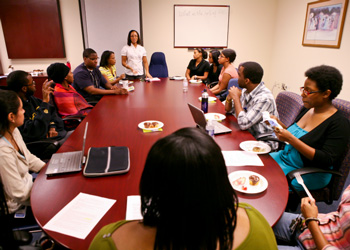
<point>114,122</point>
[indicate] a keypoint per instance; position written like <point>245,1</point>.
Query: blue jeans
<point>283,233</point>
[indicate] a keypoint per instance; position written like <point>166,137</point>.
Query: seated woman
<point>317,231</point>
<point>215,68</point>
<point>67,99</point>
<point>320,134</point>
<point>228,71</point>
<point>198,68</point>
<point>187,202</point>
<point>15,158</point>
<point>108,69</point>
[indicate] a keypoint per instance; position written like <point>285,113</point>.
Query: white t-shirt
<point>134,58</point>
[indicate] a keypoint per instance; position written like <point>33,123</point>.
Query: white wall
<point>251,27</point>
<point>269,32</point>
<point>290,59</point>
<point>73,42</point>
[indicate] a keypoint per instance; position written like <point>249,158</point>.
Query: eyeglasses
<point>305,92</point>
<point>33,83</point>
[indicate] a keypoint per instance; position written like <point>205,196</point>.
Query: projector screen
<point>204,26</point>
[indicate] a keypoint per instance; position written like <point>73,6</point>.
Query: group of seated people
<point>179,213</point>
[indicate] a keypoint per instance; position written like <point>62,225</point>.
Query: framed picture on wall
<point>324,23</point>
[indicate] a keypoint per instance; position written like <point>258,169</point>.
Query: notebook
<point>67,162</point>
<point>199,119</point>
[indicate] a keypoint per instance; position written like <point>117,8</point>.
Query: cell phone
<point>21,213</point>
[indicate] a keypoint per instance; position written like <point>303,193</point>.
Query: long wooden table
<point>114,122</point>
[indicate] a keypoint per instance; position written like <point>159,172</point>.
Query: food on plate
<point>151,124</point>
<point>254,180</point>
<point>258,149</point>
<point>240,181</point>
<point>217,117</point>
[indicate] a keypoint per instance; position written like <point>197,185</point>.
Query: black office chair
<point>10,237</point>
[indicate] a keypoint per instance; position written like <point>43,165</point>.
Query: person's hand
<point>121,91</point>
<point>274,117</point>
<point>114,87</point>
<point>122,76</point>
<point>283,134</point>
<point>149,76</point>
<point>309,208</point>
<point>47,90</point>
<point>52,133</point>
<point>192,78</point>
<point>235,93</point>
<point>134,71</point>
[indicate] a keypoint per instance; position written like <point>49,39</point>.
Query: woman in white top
<point>15,158</point>
<point>134,58</point>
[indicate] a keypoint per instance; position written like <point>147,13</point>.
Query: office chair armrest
<point>78,118</point>
<point>42,143</point>
<point>311,170</point>
<point>269,137</point>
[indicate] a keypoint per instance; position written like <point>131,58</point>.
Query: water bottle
<point>185,85</point>
<point>204,105</point>
<point>210,128</point>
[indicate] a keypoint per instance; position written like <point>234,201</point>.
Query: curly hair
<point>326,77</point>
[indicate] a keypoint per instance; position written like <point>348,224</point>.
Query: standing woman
<point>228,71</point>
<point>108,69</point>
<point>198,68</point>
<point>134,57</point>
<point>215,68</point>
<point>15,158</point>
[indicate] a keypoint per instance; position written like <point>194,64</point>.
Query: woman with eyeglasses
<point>187,202</point>
<point>134,58</point>
<point>198,68</point>
<point>320,134</point>
<point>228,71</point>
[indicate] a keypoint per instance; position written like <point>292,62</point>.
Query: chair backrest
<point>158,66</point>
<point>339,182</point>
<point>289,105</point>
<point>232,82</point>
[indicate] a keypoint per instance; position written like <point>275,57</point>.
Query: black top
<point>330,140</point>
<point>202,67</point>
<point>214,77</point>
<point>39,117</point>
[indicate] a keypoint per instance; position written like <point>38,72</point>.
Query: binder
<point>104,161</point>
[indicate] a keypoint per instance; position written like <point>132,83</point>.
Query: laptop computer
<point>199,119</point>
<point>67,162</point>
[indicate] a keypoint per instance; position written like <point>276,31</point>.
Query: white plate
<point>260,187</point>
<point>195,81</point>
<point>142,126</point>
<point>127,81</point>
<point>210,98</point>
<point>250,145</point>
<point>215,116</point>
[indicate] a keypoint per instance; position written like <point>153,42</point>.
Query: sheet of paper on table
<point>154,79</point>
<point>80,216</point>
<point>241,158</point>
<point>133,208</point>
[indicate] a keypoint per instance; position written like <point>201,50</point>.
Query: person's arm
<point>303,148</point>
<point>310,210</point>
<point>279,121</point>
<point>145,65</point>
<point>124,59</point>
<point>187,74</point>
<point>222,85</point>
<point>204,77</point>
<point>110,82</point>
<point>16,186</point>
<point>95,91</point>
<point>234,97</point>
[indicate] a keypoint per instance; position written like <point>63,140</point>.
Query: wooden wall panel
<point>32,28</point>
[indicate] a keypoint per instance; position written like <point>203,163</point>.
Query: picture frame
<point>324,23</point>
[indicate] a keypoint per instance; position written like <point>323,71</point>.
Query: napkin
<point>153,130</point>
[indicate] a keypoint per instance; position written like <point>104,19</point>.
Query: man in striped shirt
<point>254,98</point>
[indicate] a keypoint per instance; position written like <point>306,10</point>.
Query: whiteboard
<point>204,26</point>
